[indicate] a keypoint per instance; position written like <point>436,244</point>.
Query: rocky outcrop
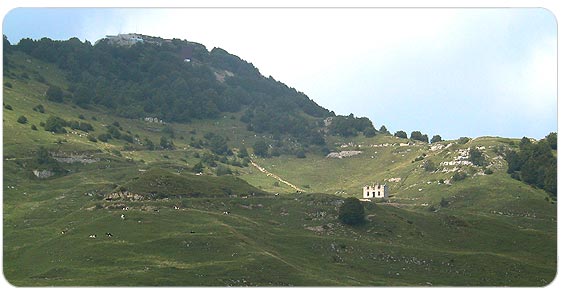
<point>343,154</point>
<point>42,174</point>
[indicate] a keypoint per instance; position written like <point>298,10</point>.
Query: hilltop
<point>212,210</point>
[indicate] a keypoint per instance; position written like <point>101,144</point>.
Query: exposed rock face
<point>124,195</point>
<point>43,173</point>
<point>343,154</point>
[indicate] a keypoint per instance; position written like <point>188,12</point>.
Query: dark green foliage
<point>54,93</point>
<point>166,143</point>
<point>216,143</point>
<point>104,137</point>
<point>114,131</point>
<point>92,138</point>
<point>8,107</point>
<point>243,152</point>
<point>198,168</point>
<point>81,117</point>
<point>552,140</point>
<point>43,157</point>
<point>300,154</point>
<point>8,84</point>
<point>55,124</point>
<point>458,176</point>
<point>33,127</point>
<point>534,164</point>
<point>152,80</point>
<point>435,138</point>
<point>39,108</point>
<point>127,137</point>
<point>261,148</point>
<point>417,135</point>
<point>384,130</point>
<point>429,166</point>
<point>348,126</point>
<point>401,134</point>
<point>222,170</point>
<point>476,157</point>
<point>444,203</point>
<point>149,144</point>
<point>369,132</point>
<point>351,211</point>
<point>22,120</point>
<point>488,171</point>
<point>463,140</point>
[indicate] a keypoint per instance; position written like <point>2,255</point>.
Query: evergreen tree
<point>351,211</point>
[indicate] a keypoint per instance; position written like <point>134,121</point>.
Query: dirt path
<point>263,170</point>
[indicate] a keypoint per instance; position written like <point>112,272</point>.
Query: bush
<point>92,138</point>
<point>55,124</point>
<point>463,140</point>
<point>8,107</point>
<point>222,170</point>
<point>300,154</point>
<point>260,148</point>
<point>22,120</point>
<point>435,138</point>
<point>39,108</point>
<point>8,84</point>
<point>54,93</point>
<point>444,203</point>
<point>476,157</point>
<point>488,171</point>
<point>401,134</point>
<point>351,212</point>
<point>33,127</point>
<point>458,176</point>
<point>429,166</point>
<point>104,137</point>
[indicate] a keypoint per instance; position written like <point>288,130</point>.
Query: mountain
<point>114,177</point>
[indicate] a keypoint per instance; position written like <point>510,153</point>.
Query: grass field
<point>495,231</point>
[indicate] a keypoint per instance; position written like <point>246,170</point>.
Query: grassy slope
<point>496,231</point>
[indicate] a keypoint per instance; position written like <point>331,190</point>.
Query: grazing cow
<point>109,234</point>
<point>226,213</point>
<point>175,208</point>
<point>93,236</point>
<point>123,216</point>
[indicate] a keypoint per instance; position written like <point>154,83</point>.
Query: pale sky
<point>454,72</point>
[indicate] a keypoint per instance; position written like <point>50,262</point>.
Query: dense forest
<point>535,163</point>
<point>152,80</point>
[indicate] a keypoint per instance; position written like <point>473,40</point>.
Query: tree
<point>351,212</point>
<point>54,93</point>
<point>22,120</point>
<point>476,157</point>
<point>552,140</point>
<point>417,135</point>
<point>166,144</point>
<point>384,130</point>
<point>369,132</point>
<point>198,168</point>
<point>55,124</point>
<point>260,148</point>
<point>435,138</point>
<point>401,134</point>
<point>243,152</point>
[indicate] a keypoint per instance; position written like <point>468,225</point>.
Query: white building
<point>376,191</point>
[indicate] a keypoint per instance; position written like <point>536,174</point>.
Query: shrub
<point>104,137</point>
<point>22,120</point>
<point>401,134</point>
<point>444,203</point>
<point>81,117</point>
<point>39,108</point>
<point>429,166</point>
<point>300,154</point>
<point>33,127</point>
<point>55,124</point>
<point>463,140</point>
<point>54,93</point>
<point>8,107</point>
<point>458,176</point>
<point>488,171</point>
<point>91,138</point>
<point>351,212</point>
<point>222,170</point>
<point>476,157</point>
<point>260,148</point>
<point>8,84</point>
<point>435,138</point>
